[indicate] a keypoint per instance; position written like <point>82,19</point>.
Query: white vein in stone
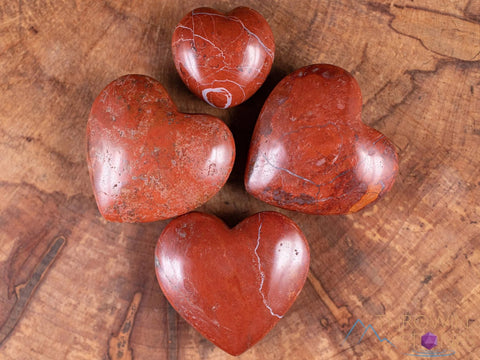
<point>222,90</point>
<point>262,275</point>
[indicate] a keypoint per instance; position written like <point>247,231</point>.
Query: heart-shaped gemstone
<point>223,58</point>
<point>310,151</point>
<point>147,161</point>
<point>232,285</point>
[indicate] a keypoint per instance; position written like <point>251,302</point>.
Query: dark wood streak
<point>341,314</point>
<point>363,59</point>
<point>25,291</point>
<point>18,142</point>
<point>119,345</point>
<point>172,333</point>
<point>472,11</point>
<point>385,9</point>
<point>414,87</point>
<point>433,11</point>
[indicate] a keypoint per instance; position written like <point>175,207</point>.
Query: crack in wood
<point>414,85</point>
<point>119,345</point>
<point>341,314</point>
<point>433,11</point>
<point>463,28</point>
<point>25,291</point>
<point>472,11</point>
<point>363,60</point>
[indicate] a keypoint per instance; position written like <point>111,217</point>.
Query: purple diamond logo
<point>429,340</point>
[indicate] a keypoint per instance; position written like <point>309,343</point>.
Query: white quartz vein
<point>233,82</point>
<point>318,186</point>
<point>289,172</point>
<point>201,37</point>
<point>262,275</point>
<point>234,18</point>
<point>222,90</point>
<point>267,50</point>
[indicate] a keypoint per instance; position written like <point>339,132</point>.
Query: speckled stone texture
<point>223,58</point>
<point>310,151</point>
<point>147,161</point>
<point>232,285</point>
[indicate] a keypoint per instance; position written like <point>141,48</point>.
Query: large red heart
<point>232,285</point>
<point>310,151</point>
<point>223,58</point>
<point>147,161</point>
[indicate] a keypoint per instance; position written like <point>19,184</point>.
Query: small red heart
<point>223,58</point>
<point>147,161</point>
<point>310,151</point>
<point>232,285</point>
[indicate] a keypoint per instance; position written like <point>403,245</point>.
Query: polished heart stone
<point>310,151</point>
<point>147,161</point>
<point>232,285</point>
<point>223,58</point>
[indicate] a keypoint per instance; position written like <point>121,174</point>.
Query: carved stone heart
<point>147,161</point>
<point>223,58</point>
<point>232,285</point>
<point>310,151</point>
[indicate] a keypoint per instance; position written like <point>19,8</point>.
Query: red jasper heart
<point>147,161</point>
<point>232,285</point>
<point>223,58</point>
<point>310,151</point>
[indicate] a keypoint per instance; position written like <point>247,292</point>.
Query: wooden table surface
<point>74,286</point>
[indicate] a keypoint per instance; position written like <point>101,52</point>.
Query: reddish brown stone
<point>232,285</point>
<point>147,161</point>
<point>310,151</point>
<point>223,58</point>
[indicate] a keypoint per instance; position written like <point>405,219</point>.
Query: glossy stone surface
<point>223,58</point>
<point>232,285</point>
<point>147,161</point>
<point>310,151</point>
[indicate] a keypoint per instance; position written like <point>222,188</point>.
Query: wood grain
<point>119,344</point>
<point>406,265</point>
